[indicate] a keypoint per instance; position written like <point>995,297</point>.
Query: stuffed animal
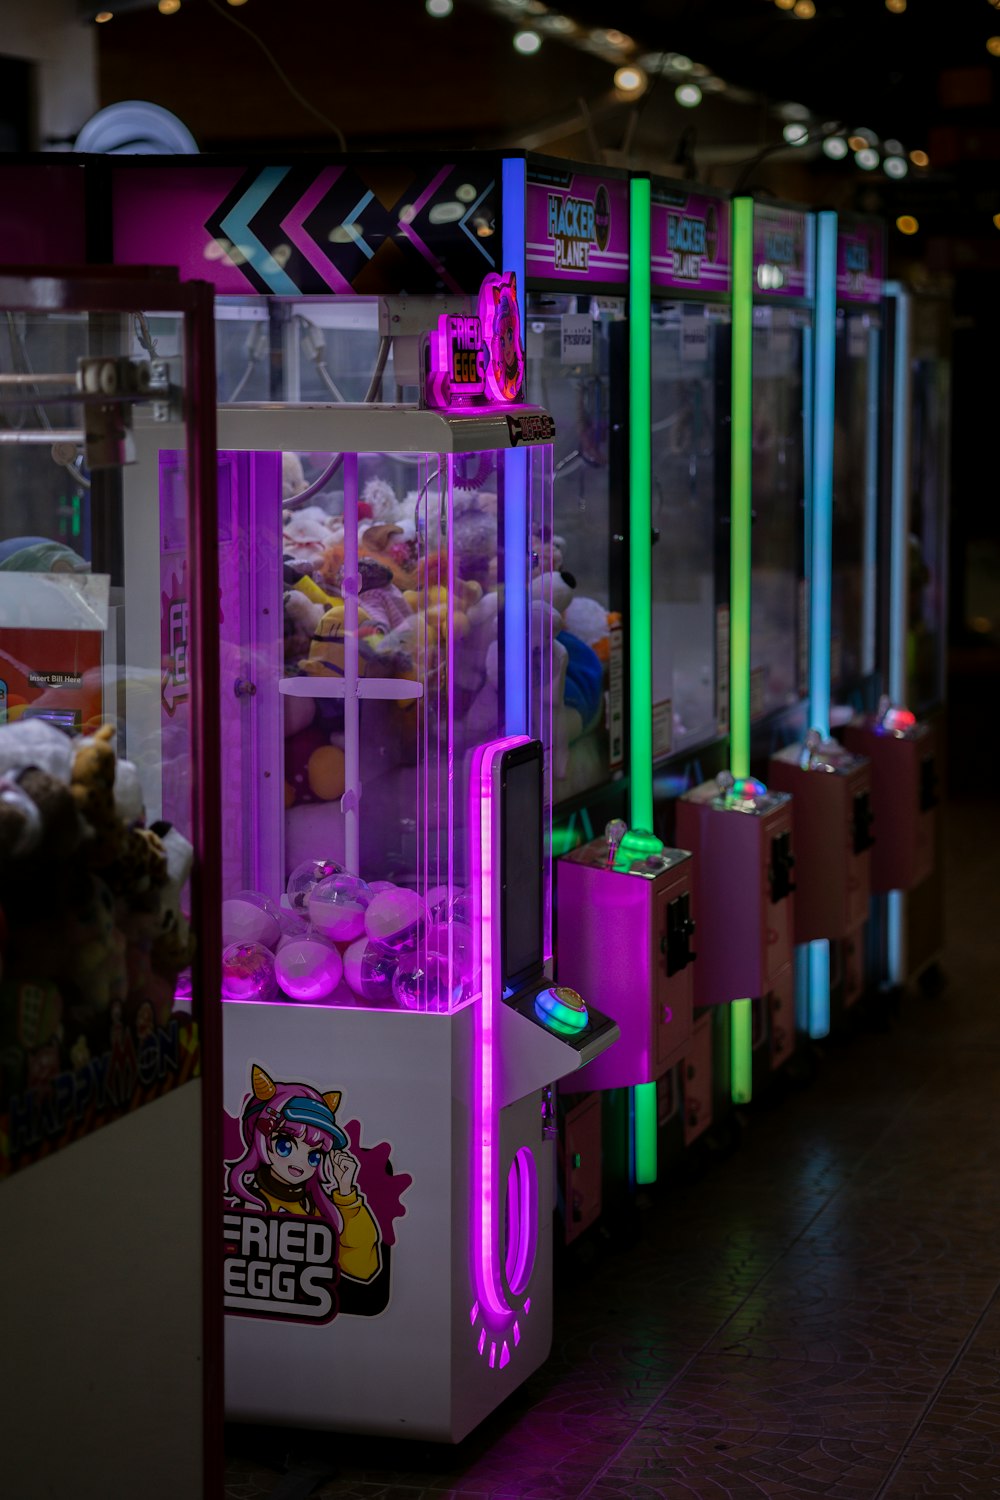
<point>92,783</point>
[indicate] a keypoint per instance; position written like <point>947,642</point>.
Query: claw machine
<point>678,605</point>
<point>735,823</point>
<point>832,784</point>
<point>392,1029</point>
<point>110,1026</point>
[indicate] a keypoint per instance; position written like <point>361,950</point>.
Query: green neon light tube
<point>640,591</point>
<point>740,496</point>
<point>741,1051</point>
<point>640,588</point>
<point>645,1133</point>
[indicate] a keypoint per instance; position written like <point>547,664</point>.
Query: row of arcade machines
<point>435,629</point>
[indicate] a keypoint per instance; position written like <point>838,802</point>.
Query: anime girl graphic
<point>296,1161</point>
<point>502,320</point>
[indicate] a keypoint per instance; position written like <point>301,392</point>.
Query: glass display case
<point>110,1043</point>
<point>579,549</point>
<point>690,346</point>
<point>930,390</point>
<point>778,480</point>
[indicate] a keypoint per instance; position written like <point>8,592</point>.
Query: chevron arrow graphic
<point>236,227</point>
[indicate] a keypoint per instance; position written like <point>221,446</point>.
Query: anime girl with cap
<point>296,1161</point>
<point>506,357</point>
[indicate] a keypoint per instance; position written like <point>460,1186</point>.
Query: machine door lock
<point>675,944</point>
<point>863,820</point>
<point>928,784</point>
<point>782,860</point>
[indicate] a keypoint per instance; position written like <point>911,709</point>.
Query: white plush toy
<point>33,742</point>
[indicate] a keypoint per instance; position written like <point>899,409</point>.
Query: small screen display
<point>521,862</point>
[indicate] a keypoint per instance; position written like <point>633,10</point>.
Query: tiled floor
<point>817,1315</point>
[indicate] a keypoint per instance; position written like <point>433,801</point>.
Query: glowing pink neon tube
<point>486,1107</point>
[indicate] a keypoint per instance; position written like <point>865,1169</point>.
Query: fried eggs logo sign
<point>280,1267</point>
<point>308,1221</point>
<point>574,224</point>
<point>690,240</point>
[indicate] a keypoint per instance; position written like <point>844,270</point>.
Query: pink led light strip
<point>486,1120</point>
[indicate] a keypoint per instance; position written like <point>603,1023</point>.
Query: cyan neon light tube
<point>640,593</point>
<point>825,354</point>
<point>740,496</point>
<point>819,988</point>
<point>869,560</point>
<point>515,497</point>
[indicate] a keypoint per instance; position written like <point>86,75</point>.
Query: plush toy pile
<point>406,588</point>
<point>91,929</point>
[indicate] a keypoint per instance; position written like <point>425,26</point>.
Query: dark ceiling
<point>387,75</point>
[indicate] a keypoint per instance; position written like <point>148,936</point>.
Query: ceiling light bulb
<point>907,224</point>
<point>630,80</point>
<point>688,95</point>
<point>526,42</point>
<point>835,147</point>
<point>867,159</point>
<point>895,166</point>
<point>804,10</point>
<point>439,8</point>
<point>795,133</point>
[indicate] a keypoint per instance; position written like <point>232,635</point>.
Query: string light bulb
<point>835,147</point>
<point>996,220</point>
<point>895,166</point>
<point>907,224</point>
<point>993,46</point>
<point>920,158</point>
<point>867,159</point>
<point>795,133</point>
<point>104,15</point>
<point>168,7</point>
<point>895,7</point>
<point>527,42</point>
<point>804,10</point>
<point>630,80</point>
<point>688,95</point>
<point>438,8</point>
<point>785,4</point>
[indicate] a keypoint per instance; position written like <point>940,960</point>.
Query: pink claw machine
<point>110,1023</point>
<point>391,1032</point>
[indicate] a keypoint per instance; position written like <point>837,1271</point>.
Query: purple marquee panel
<point>860,260</point>
<point>42,216</point>
<point>577,226</point>
<point>690,240</point>
<point>363,227</point>
<point>782,251</point>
